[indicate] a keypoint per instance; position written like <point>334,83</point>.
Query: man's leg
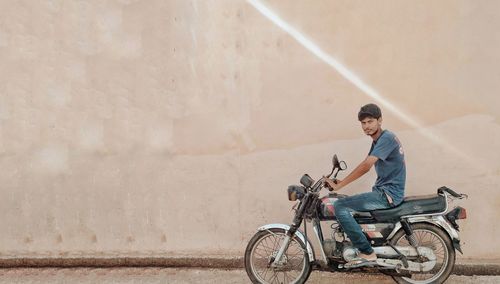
<point>361,202</point>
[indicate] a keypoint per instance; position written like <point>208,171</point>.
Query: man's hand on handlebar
<point>331,184</point>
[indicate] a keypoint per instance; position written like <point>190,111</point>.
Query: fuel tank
<point>326,211</point>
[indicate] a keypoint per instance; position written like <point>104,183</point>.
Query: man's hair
<point>369,110</point>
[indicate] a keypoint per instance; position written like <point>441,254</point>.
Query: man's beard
<point>372,133</point>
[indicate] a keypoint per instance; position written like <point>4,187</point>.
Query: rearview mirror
<point>335,161</point>
<point>342,165</point>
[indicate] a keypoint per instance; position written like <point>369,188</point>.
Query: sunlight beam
<point>354,79</point>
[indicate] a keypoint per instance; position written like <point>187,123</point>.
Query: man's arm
<point>360,170</point>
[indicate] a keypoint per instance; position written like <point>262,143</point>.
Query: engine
<point>343,250</point>
<point>338,246</point>
<point>349,252</point>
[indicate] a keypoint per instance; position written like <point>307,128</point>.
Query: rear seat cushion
<point>412,205</point>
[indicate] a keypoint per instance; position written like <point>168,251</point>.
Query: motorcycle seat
<point>412,205</point>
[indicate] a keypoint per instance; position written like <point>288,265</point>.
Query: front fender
<point>298,233</point>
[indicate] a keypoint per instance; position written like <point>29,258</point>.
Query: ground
<point>183,275</point>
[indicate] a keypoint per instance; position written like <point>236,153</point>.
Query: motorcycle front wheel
<point>261,251</point>
<point>431,236</point>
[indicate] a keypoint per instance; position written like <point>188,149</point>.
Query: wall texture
<point>174,127</point>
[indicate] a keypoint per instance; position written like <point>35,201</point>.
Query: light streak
<point>356,80</point>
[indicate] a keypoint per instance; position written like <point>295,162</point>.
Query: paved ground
<point>182,275</point>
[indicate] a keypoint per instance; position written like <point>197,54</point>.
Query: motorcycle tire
<point>423,229</point>
<point>250,252</point>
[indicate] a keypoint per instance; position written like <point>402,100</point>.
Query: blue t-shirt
<point>390,166</point>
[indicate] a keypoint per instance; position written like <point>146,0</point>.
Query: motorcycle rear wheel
<point>260,253</point>
<point>430,236</point>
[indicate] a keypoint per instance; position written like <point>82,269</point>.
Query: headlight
<point>296,192</point>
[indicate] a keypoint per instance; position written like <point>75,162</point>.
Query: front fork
<point>286,242</point>
<point>277,261</point>
<point>297,221</point>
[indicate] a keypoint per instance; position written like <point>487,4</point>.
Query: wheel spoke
<point>272,245</point>
<point>293,258</point>
<point>266,248</point>
<point>274,277</point>
<point>276,243</point>
<point>266,271</point>
<point>285,277</point>
<point>264,251</point>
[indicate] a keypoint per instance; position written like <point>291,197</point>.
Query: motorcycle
<point>415,242</point>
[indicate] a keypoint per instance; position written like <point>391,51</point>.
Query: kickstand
<point>402,257</point>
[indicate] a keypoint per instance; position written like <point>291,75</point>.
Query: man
<point>387,155</point>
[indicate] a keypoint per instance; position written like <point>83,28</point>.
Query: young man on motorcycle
<point>386,153</point>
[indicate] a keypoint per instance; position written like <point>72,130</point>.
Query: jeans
<point>361,202</point>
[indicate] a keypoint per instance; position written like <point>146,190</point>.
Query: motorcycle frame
<point>436,219</point>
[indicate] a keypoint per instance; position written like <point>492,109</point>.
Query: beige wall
<point>153,127</point>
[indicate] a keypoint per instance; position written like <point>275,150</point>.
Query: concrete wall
<point>174,127</point>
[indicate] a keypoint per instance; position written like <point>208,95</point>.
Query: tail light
<point>462,214</point>
<point>456,214</point>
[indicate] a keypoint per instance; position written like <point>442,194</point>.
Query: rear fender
<point>298,233</point>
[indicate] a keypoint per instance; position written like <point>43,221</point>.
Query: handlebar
<point>320,184</point>
<point>317,186</point>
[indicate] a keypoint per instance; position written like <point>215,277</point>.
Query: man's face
<point>371,125</point>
